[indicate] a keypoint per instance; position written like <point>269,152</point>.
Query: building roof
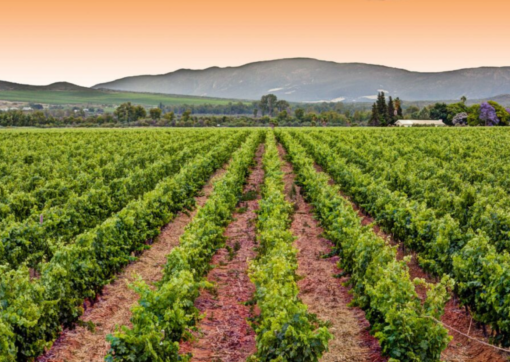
<point>415,121</point>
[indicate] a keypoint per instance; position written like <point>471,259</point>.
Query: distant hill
<point>503,99</point>
<point>311,80</point>
<point>70,94</point>
<point>296,80</point>
<point>59,86</point>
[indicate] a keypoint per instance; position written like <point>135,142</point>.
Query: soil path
<point>460,349</point>
<point>224,333</point>
<point>324,294</point>
<point>114,307</point>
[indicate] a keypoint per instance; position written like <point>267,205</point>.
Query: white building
<point>413,122</point>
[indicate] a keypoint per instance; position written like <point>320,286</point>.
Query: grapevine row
<point>475,206</point>
<point>17,204</point>
<point>285,330</point>
<point>34,241</point>
<point>33,311</point>
<point>481,272</point>
<point>31,160</point>
<point>162,317</point>
<point>406,328</point>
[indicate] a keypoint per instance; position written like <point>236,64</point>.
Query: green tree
<point>424,113</point>
<point>155,113</point>
<point>398,108</point>
<point>282,116</point>
<point>186,115</point>
<point>265,120</point>
<point>358,116</point>
<point>374,117</point>
<point>382,109</point>
<point>501,113</point>
<point>282,105</point>
<point>453,110</point>
<point>299,113</point>
<point>139,113</point>
<point>392,117</point>
<point>440,112</point>
<point>271,103</point>
<point>333,118</point>
<point>170,116</point>
<point>474,116</point>
<point>126,112</point>
<point>267,104</point>
<point>412,112</point>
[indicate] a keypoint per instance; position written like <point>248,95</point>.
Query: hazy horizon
<point>93,42</point>
<point>256,61</point>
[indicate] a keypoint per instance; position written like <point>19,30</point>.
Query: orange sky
<point>87,42</point>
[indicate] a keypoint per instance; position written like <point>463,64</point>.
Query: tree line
<point>386,114</point>
<point>487,113</point>
<point>269,110</point>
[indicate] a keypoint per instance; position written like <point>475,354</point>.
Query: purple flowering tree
<point>460,119</point>
<point>488,114</point>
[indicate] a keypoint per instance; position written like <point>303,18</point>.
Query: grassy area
<point>98,97</point>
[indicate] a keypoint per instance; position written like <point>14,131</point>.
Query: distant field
<point>97,97</point>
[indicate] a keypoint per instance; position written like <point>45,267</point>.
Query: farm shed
<point>412,122</point>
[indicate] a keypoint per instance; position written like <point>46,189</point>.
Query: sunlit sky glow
<point>88,42</point>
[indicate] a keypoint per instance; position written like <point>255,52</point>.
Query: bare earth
<point>113,308</point>
<point>460,349</point>
<point>224,333</point>
<point>324,294</point>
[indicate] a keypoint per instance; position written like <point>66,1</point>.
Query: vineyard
<point>254,245</point>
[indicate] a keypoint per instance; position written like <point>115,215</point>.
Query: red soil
<point>461,348</point>
<point>113,307</point>
<point>224,333</point>
<point>325,295</point>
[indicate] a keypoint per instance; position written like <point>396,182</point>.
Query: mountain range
<point>311,80</point>
<point>299,80</point>
<point>58,86</point>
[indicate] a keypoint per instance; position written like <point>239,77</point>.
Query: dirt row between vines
<point>224,333</point>
<point>460,348</point>
<point>114,307</point>
<point>325,295</point>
